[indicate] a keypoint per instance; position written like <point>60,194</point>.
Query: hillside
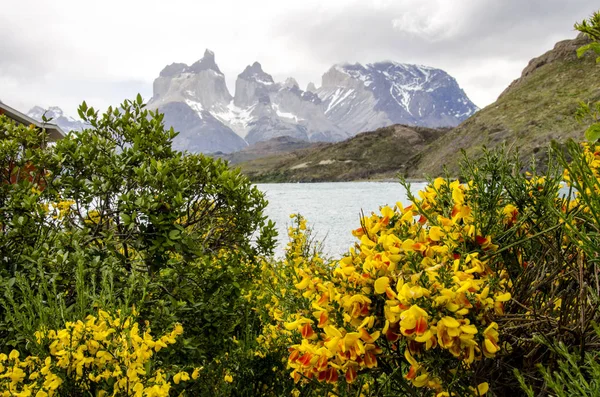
<point>272,147</point>
<point>369,155</point>
<point>536,108</point>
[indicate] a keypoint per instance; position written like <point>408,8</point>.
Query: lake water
<point>331,209</point>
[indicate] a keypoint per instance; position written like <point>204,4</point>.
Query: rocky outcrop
<point>199,131</point>
<point>202,82</point>
<point>260,110</point>
<point>562,51</point>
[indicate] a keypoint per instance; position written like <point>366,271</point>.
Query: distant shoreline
<point>386,180</point>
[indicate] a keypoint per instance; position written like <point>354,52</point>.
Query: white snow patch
<point>196,106</point>
<point>235,118</point>
<point>338,98</point>
<point>285,115</point>
<point>265,82</point>
<point>405,97</point>
<point>326,162</point>
<point>301,165</point>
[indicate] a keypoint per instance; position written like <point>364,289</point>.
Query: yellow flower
<point>413,321</point>
<point>196,373</point>
<point>382,284</point>
<point>228,378</point>
<point>181,376</point>
<point>435,233</point>
<point>490,343</point>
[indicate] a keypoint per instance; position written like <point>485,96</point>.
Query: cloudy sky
<point>64,51</point>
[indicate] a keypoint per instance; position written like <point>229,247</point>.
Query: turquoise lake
<point>331,209</point>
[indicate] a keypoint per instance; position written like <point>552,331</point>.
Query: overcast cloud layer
<point>66,51</point>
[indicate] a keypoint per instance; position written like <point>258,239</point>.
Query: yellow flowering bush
<point>276,290</point>
<point>444,296</point>
<point>420,285</point>
<point>101,356</point>
<point>276,299</point>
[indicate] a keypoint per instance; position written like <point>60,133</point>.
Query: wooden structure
<point>54,131</point>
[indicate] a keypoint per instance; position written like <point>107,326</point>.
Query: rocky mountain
<point>66,123</point>
<point>352,98</point>
<point>260,110</point>
<point>536,108</point>
<point>190,96</point>
<point>361,98</point>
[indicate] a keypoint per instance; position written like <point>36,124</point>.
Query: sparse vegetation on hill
<point>535,109</point>
<point>372,155</point>
<point>272,147</point>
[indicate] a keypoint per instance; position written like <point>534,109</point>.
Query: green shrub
<point>113,217</point>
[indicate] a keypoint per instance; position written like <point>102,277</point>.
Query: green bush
<point>113,217</point>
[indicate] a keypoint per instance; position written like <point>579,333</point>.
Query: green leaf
<point>592,134</point>
<point>582,50</point>
<point>82,110</point>
<point>138,99</point>
<point>585,48</point>
<point>174,234</point>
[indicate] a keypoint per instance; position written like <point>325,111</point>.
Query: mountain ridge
<point>352,98</point>
<point>58,117</point>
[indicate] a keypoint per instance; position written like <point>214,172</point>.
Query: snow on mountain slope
<point>351,99</point>
<point>260,110</point>
<point>360,98</point>
<point>66,123</point>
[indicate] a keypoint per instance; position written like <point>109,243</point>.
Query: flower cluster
<point>105,355</point>
<point>275,291</point>
<point>591,158</point>
<point>422,284</point>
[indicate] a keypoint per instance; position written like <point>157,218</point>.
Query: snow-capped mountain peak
<point>352,98</point>
<point>364,97</point>
<point>256,74</point>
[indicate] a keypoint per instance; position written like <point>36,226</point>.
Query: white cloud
<point>434,20</point>
<point>64,51</point>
